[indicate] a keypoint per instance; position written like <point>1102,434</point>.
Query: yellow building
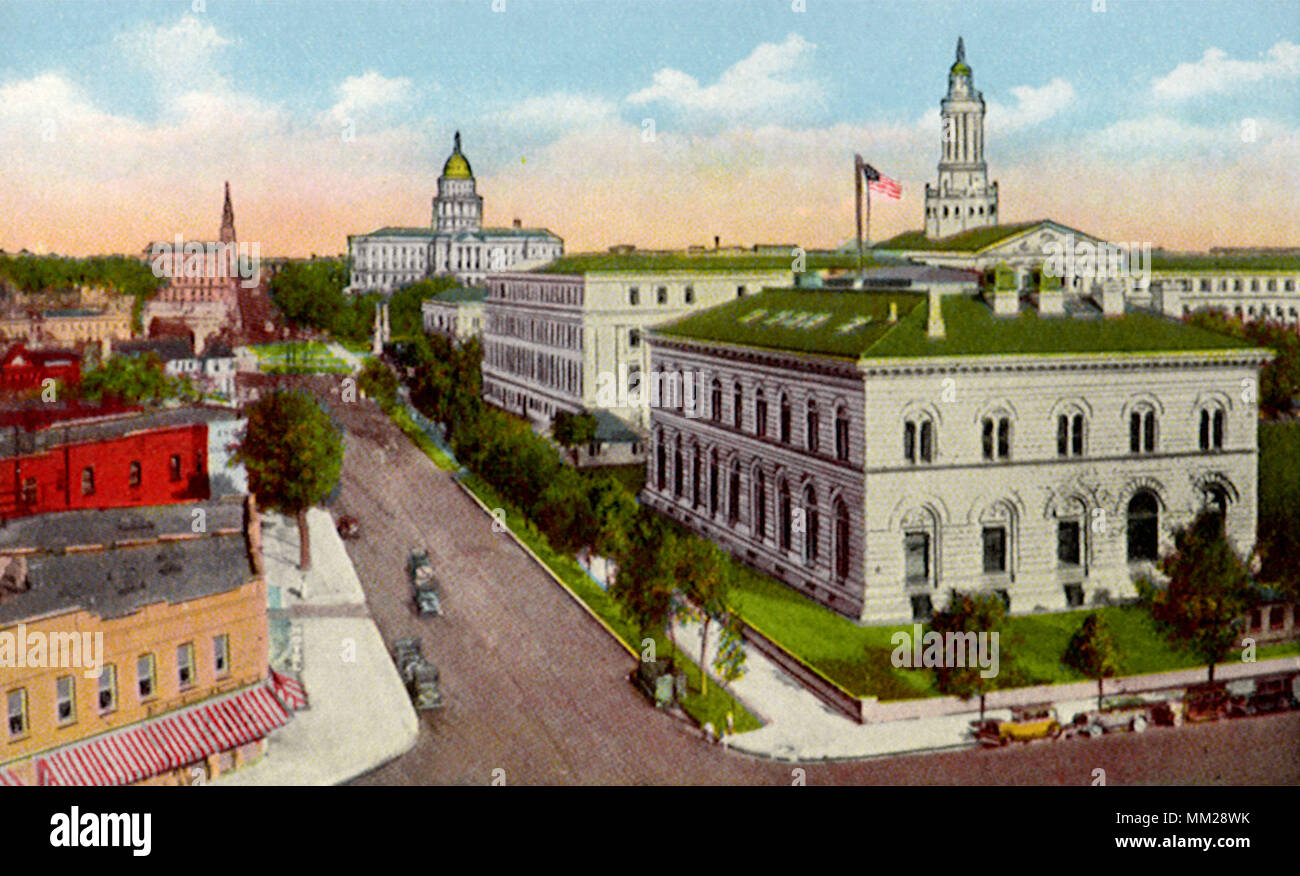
<point>133,649</point>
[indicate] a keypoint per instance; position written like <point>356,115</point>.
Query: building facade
<point>876,450</point>
<point>456,313</point>
<point>455,242</point>
<point>963,198</point>
<point>69,327</point>
<point>22,369</point>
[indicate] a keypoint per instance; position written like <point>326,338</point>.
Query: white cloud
<point>773,79</point>
<point>1216,73</point>
<point>556,112</point>
<point>1032,106</point>
<point>181,57</point>
<point>370,90</point>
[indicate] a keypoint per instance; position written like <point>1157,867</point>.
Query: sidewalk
<point>798,726</point>
<point>360,716</point>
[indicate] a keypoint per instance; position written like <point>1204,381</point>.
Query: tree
<point>729,662</point>
<point>613,513</point>
<point>572,431</point>
<point>1092,652</point>
<point>645,584</point>
<point>133,380</point>
<point>970,613</point>
<point>703,571</point>
<point>1202,608</point>
<point>378,382</point>
<point>293,455</point>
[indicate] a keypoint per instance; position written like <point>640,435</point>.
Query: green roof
<point>967,241</point>
<point>511,231</point>
<point>583,263</point>
<point>462,293</point>
<point>395,231</point>
<point>1166,261</point>
<point>854,324</point>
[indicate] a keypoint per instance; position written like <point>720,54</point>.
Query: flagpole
<point>861,271</point>
<point>857,190</point>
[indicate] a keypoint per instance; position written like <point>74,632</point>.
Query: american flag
<point>882,185</point>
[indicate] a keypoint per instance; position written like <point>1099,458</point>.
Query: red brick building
<point>22,369</point>
<point>105,461</point>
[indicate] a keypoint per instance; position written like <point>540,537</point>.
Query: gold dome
<point>457,167</point>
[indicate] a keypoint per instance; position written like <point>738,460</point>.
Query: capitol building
<point>455,242</point>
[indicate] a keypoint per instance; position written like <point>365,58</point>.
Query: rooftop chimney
<point>1170,299</point>
<point>717,242</point>
<point>934,324</point>
<point>518,223</point>
<point>1112,297</point>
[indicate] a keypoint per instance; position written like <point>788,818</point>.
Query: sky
<point>1174,122</point>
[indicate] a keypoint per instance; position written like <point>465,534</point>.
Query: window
<point>842,434</point>
<point>661,463</point>
<point>916,558</point>
<point>108,689</point>
<point>174,465</point>
<point>760,413</point>
<point>65,696</point>
<point>997,437</point>
<point>785,419</point>
<point>811,521</point>
<point>1069,435</point>
<point>661,295</point>
<point>918,440</point>
<point>17,712</point>
<point>760,504</point>
<point>144,673</point>
<point>689,295</point>
<point>633,379</point>
<point>221,654</point>
<point>841,540</point>
<point>740,291</point>
<point>677,469</point>
<point>30,494</point>
<point>1215,503</point>
<point>1142,431</point>
<point>785,516</point>
<point>813,427</point>
<point>633,296</point>
<point>695,479</point>
<point>733,493</point>
<point>88,481</point>
<point>737,405</point>
<point>1069,543</point>
<point>1212,422</point>
<point>715,400</point>
<point>713,483</point>
<point>1143,527</point>
<point>995,550</point>
<point>133,477</point>
<point>185,664</point>
<point>634,338</point>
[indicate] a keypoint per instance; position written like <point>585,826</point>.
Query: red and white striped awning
<point>292,693</point>
<point>166,743</point>
<point>8,779</point>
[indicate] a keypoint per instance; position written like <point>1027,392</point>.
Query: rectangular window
<point>1062,435</point>
<point>108,688</point>
<point>1135,432</point>
<point>144,673</point>
<point>988,438</point>
<point>174,465</point>
<point>661,295</point>
<point>740,291</point>
<point>841,439</point>
<point>185,664</point>
<point>17,712</point>
<point>634,338</point>
<point>221,643</point>
<point>134,477</point>
<point>66,699</point>
<point>1068,543</point>
<point>88,481</point>
<point>30,495</point>
<point>689,295</point>
<point>633,296</point>
<point>995,550</point>
<point>909,441</point>
<point>1004,439</point>
<point>916,557</point>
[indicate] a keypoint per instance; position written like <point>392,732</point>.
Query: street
<point>537,691</point>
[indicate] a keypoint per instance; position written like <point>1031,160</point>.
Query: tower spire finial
<point>227,219</point>
<point>456,142</point>
<point>961,50</point>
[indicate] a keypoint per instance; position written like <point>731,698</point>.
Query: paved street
<point>537,689</point>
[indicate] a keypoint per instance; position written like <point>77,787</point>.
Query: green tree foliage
<point>133,380</point>
<point>1279,506</point>
<point>572,431</point>
<point>309,294</point>
<point>1279,381</point>
<point>1202,608</point>
<point>1092,652</point>
<point>293,455</point>
<point>56,274</point>
<point>646,583</point>
<point>404,316</point>
<point>703,573</point>
<point>378,382</point>
<point>971,613</point>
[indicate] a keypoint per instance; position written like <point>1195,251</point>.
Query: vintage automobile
<point>657,681</point>
<point>1207,702</point>
<point>419,675</point>
<point>1028,723</point>
<point>348,526</point>
<point>424,587</point>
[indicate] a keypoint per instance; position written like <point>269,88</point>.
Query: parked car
<point>348,526</point>
<point>424,586</point>
<point>1028,723</point>
<point>419,675</point>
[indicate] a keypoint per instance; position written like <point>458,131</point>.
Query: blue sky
<point>755,106</point>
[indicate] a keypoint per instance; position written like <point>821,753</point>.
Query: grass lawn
<point>710,708</point>
<point>282,350</point>
<point>421,440</point>
<point>858,658</point>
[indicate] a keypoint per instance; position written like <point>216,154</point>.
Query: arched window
<point>1142,430</point>
<point>715,401</point>
<point>918,439</point>
<point>678,473</point>
<point>842,434</point>
<point>841,540</point>
<point>713,482</point>
<point>1212,427</point>
<point>785,515</point>
<point>1069,435</point>
<point>737,404</point>
<point>785,419</point>
<point>733,493</point>
<point>813,426</point>
<point>1143,527</point>
<point>760,413</point>
<point>695,478</point>
<point>812,523</point>
<point>997,437</point>
<point>661,462</point>
<point>1216,504</point>
<point>760,504</point>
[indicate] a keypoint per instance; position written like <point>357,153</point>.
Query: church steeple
<point>227,219</point>
<point>963,199</point>
<point>961,51</point>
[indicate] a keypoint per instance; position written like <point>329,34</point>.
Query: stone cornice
<point>810,363</point>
